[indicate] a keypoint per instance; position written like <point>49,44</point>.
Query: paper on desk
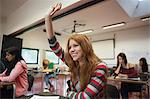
<point>44,97</point>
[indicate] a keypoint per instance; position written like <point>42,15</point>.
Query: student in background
<point>18,73</point>
<point>143,69</point>
<point>143,65</point>
<point>124,69</point>
<point>48,65</point>
<point>2,66</point>
<point>88,73</point>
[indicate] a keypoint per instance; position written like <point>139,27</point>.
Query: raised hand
<point>55,8</point>
<point>48,20</point>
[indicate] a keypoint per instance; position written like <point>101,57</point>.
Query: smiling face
<point>75,50</point>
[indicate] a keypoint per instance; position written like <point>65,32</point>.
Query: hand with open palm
<point>55,8</point>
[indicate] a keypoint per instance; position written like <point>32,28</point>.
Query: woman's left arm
<point>18,69</point>
<point>96,85</point>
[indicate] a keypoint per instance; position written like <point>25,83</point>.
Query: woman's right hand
<point>48,20</point>
<point>118,69</point>
<point>55,8</point>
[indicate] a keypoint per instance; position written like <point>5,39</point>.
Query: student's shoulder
<point>131,65</point>
<point>21,63</point>
<point>102,65</point>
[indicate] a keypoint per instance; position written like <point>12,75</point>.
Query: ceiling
<point>104,13</point>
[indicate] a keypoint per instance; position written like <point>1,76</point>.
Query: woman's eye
<point>76,45</point>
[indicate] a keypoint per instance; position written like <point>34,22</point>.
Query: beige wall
<point>133,42</point>
<point>0,26</point>
<point>36,38</point>
<point>149,44</point>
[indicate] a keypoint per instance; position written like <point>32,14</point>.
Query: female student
<point>124,69</point>
<point>88,73</point>
<point>47,77</point>
<point>18,73</point>
<point>143,64</point>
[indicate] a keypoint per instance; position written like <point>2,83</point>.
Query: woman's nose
<point>6,57</point>
<point>72,49</point>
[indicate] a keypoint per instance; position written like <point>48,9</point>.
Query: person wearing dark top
<point>2,67</point>
<point>143,64</point>
<point>4,64</point>
<point>143,69</point>
<point>126,70</point>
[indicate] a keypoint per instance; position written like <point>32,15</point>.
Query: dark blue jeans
<point>47,79</point>
<point>129,87</point>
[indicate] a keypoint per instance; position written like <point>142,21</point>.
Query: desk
<point>47,70</point>
<point>130,80</point>
<point>42,71</point>
<point>7,84</point>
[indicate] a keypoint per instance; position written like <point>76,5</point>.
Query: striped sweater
<point>97,84</point>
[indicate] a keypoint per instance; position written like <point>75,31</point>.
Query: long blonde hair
<point>89,63</point>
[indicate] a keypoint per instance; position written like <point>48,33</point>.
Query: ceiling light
<point>145,18</point>
<point>141,0</point>
<point>113,25</point>
<point>85,31</point>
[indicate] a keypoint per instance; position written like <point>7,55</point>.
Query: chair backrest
<point>112,92</point>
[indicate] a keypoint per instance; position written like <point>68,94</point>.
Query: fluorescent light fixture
<point>113,25</point>
<point>145,18</point>
<point>140,0</point>
<point>85,31</point>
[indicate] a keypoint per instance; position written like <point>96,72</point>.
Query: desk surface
<point>130,80</point>
<point>43,71</point>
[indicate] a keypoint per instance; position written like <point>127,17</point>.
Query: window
<point>30,55</point>
<point>51,57</point>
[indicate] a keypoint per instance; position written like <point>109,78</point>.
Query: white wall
<point>0,26</point>
<point>133,42</point>
<point>36,38</point>
<point>30,12</point>
<point>149,43</point>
